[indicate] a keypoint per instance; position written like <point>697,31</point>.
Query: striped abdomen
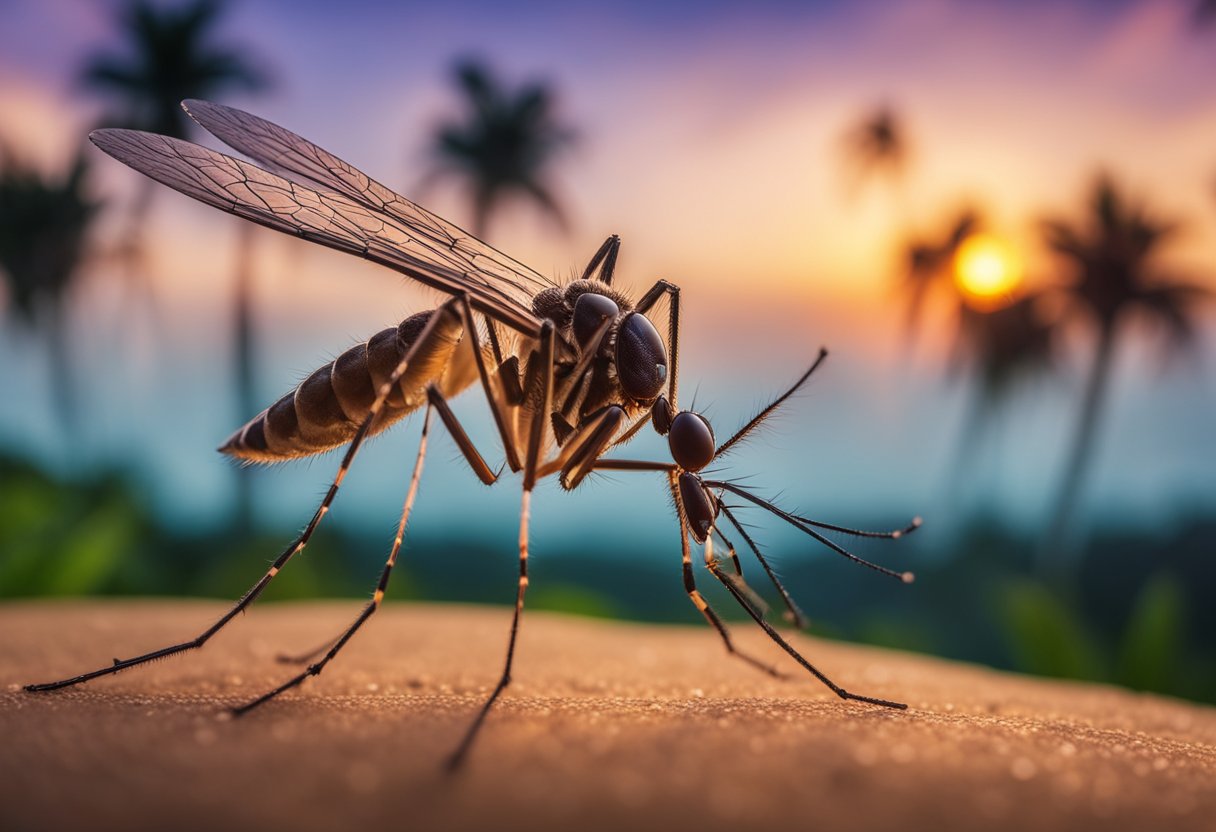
<point>328,406</point>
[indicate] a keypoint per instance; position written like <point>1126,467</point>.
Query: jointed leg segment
<point>381,586</point>
<point>690,586</point>
<point>294,548</point>
<point>531,468</point>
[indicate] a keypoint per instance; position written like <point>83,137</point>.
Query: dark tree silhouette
<point>168,56</point>
<point>44,225</point>
<point>505,145</point>
<point>929,262</point>
<point>1112,259</point>
<point>877,146</point>
<point>999,349</point>
<point>171,54</point>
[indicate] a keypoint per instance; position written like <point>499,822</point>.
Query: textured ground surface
<point>607,726</point>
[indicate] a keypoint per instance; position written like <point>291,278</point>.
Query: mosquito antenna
<point>799,618</point>
<point>759,418</point>
<point>891,535</point>
<point>906,577</point>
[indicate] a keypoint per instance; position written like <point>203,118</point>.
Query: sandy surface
<point>607,725</point>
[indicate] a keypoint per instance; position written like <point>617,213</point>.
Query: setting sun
<point>986,271</point>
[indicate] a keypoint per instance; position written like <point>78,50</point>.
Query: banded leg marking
<point>525,510</point>
<point>381,586</point>
<point>294,548</point>
<point>698,600</point>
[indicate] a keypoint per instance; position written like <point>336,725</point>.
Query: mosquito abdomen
<point>326,409</point>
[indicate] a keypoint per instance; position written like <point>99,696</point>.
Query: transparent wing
<point>297,158</point>
<point>330,219</point>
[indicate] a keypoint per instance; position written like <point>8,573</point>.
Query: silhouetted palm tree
<point>171,55</point>
<point>1000,348</point>
<point>504,146</point>
<point>878,146</point>
<point>44,222</point>
<point>1113,260</point>
<point>929,261</point>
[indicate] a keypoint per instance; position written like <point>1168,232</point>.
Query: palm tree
<point>44,224</point>
<point>929,261</point>
<point>1113,259</point>
<point>877,145</point>
<point>171,55</point>
<point>504,146</point>
<point>1002,348</point>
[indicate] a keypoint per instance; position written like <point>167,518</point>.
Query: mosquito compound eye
<point>691,440</point>
<point>590,312</point>
<point>641,358</point>
<point>700,507</point>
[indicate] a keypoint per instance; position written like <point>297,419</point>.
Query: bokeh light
<point>988,271</point>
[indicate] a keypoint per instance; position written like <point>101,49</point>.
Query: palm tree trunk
<point>1057,558</point>
<point>62,385</point>
<point>971,431</point>
<point>243,360</point>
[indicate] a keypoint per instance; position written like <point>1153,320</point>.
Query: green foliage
<point>1045,635</point>
<point>573,599</point>
<point>1150,655</point>
<point>1133,627</point>
<point>63,540</point>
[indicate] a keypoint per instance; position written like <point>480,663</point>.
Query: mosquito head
<point>691,440</point>
<point>641,358</point>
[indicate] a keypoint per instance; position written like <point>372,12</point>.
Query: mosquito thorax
<point>700,507</point>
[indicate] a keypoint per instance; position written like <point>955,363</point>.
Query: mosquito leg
<point>496,407</point>
<point>467,449</point>
<point>690,586</point>
<point>292,550</point>
<point>492,335</point>
<point>794,613</point>
<point>710,557</point>
<point>632,465</point>
<point>606,254</point>
<point>377,598</point>
<point>531,467</point>
<point>306,656</point>
<point>785,645</point>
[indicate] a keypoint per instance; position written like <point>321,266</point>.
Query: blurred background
<point>1000,216</point>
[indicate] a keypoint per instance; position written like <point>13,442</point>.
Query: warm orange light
<point>986,271</point>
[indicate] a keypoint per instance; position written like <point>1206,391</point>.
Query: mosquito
<point>569,371</point>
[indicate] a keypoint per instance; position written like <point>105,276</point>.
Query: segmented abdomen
<point>326,409</point>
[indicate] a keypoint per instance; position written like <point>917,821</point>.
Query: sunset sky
<point>710,137</point>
